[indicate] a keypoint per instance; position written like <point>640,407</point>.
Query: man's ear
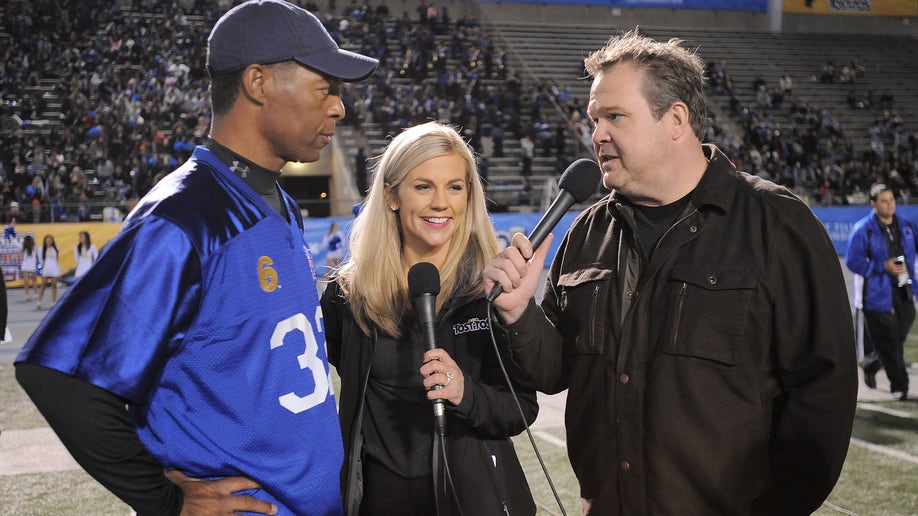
<point>253,82</point>
<point>680,121</point>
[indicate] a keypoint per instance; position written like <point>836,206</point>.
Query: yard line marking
<point>839,509</point>
<point>884,410</point>
<point>545,436</point>
<point>896,454</point>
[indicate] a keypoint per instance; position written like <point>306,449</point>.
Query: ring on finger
<point>449,378</point>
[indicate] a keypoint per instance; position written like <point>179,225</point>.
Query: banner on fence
<point>722,5</point>
<point>838,222</point>
<point>853,7</point>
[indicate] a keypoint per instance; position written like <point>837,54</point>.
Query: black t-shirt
<point>398,422</point>
<point>653,221</point>
<point>894,247</point>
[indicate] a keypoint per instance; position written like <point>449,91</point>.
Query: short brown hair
<point>673,73</point>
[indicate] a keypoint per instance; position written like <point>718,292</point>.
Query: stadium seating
<point>543,56</point>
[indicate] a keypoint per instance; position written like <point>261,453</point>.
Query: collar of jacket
<point>716,188</point>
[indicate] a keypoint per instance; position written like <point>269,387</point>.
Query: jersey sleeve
<point>116,326</point>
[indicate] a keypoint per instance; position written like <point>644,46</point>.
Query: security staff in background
<point>881,248</point>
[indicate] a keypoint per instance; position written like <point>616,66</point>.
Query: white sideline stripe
<point>545,436</point>
<point>885,410</point>
<point>36,450</point>
<point>838,509</point>
<point>896,454</point>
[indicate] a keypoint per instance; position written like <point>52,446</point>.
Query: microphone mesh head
<point>423,278</point>
<point>581,179</point>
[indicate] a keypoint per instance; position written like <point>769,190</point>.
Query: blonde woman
<point>426,204</point>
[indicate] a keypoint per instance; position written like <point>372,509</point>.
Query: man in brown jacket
<point>697,315</point>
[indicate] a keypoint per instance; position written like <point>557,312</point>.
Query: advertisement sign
<point>66,236</point>
<point>853,7</point>
<point>760,6</point>
<point>838,220</point>
<point>11,258</point>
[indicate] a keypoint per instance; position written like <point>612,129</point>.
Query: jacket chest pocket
<point>584,305</point>
<point>708,312</point>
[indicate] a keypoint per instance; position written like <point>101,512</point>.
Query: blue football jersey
<point>203,312</point>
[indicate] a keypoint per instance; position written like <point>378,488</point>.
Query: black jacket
<point>719,377</point>
<point>478,429</point>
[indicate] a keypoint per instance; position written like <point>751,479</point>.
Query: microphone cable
<point>439,450</point>
<point>519,407</point>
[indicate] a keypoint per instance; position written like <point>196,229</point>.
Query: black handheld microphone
<point>577,184</point>
<point>424,285</point>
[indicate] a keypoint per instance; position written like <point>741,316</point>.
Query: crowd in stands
<point>128,97</point>
<point>129,101</point>
<point>805,147</point>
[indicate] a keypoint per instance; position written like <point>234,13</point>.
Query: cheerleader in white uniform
<point>27,267</point>
<point>85,254</point>
<point>50,269</point>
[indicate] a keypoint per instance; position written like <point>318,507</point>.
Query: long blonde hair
<point>373,278</point>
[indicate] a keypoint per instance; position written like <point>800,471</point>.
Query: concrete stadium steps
<point>556,51</point>
<point>539,52</point>
<point>502,171</point>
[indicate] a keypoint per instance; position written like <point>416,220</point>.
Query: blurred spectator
<point>524,196</point>
<point>786,84</point>
<point>9,232</point>
<point>13,213</point>
<point>360,172</point>
<point>527,151</point>
<point>484,167</point>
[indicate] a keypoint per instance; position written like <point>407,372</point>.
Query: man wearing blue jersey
<point>202,315</point>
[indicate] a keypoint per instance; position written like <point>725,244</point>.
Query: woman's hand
<point>440,369</point>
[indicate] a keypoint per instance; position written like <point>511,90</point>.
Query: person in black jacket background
<point>426,204</point>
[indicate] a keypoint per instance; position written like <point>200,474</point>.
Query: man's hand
<point>893,267</point>
<point>212,497</point>
<point>518,276</point>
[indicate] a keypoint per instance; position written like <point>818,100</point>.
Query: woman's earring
<point>393,208</point>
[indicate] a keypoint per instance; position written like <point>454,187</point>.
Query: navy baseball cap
<point>272,31</point>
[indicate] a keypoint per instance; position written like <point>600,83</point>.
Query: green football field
<point>873,482</point>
